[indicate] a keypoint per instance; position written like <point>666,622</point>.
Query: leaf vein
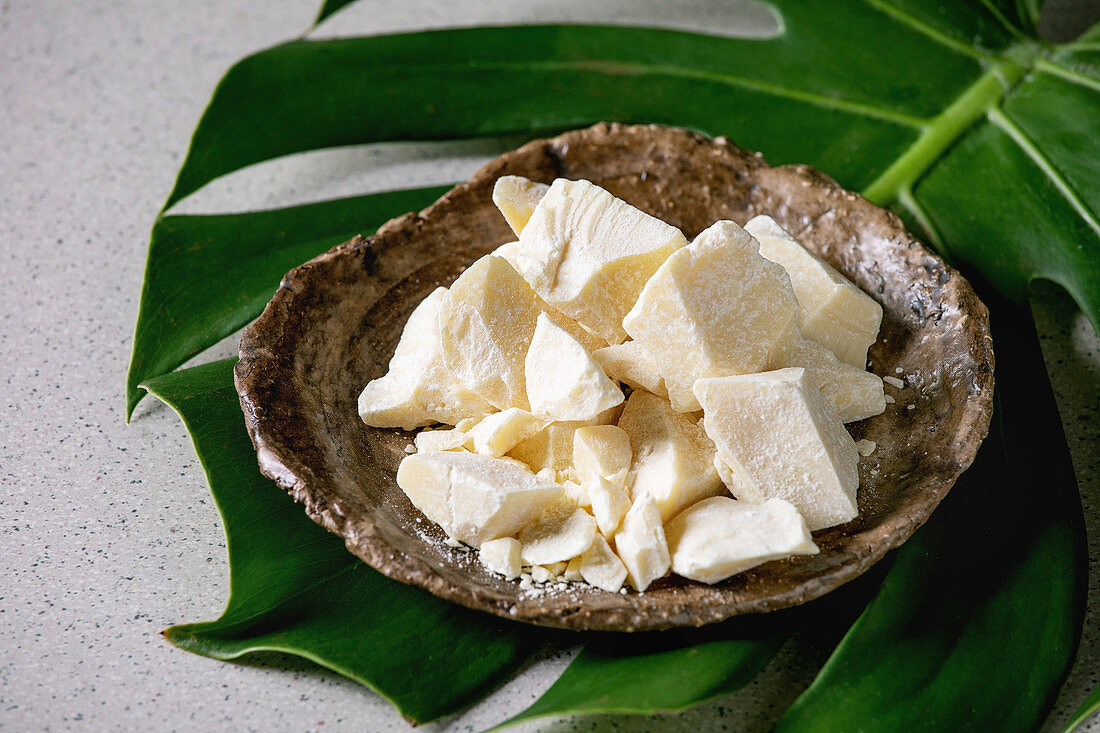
<point>923,28</point>
<point>906,199</point>
<point>618,68</point>
<point>1003,20</point>
<point>1001,120</point>
<point>1069,75</point>
<point>298,594</point>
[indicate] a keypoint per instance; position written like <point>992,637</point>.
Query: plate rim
<point>299,481</point>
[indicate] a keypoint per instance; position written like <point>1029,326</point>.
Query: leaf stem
<point>945,129</point>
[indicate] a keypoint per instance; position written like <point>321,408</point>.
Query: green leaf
<point>669,671</point>
<point>1053,113</point>
<point>1081,57</point>
<point>1088,707</point>
<point>795,96</point>
<point>329,7</point>
<point>657,672</point>
<point>980,25</point>
<point>209,275</point>
<point>295,588</point>
<point>978,621</point>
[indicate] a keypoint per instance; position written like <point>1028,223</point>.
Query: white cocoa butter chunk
<point>436,440</point>
<point>574,492</point>
<point>517,197</point>
<point>540,574</point>
<point>498,433</point>
<point>832,310</point>
<point>501,556</point>
<point>564,383</point>
<point>720,537</point>
<point>556,568</point>
<point>419,389</point>
<point>714,308</point>
<point>781,439</point>
<point>572,572</point>
<point>560,533</point>
<point>672,457</point>
<point>628,363</point>
<point>601,567</point>
<point>475,498</point>
<point>486,321</point>
<point>589,254</point>
<point>552,447</point>
<point>508,251</point>
<point>853,392</point>
<point>641,544</point>
<point>467,424</point>
<point>601,459</point>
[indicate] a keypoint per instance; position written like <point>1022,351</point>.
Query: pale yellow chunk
<point>641,544</point>
<point>475,498</point>
<point>673,459</point>
<point>517,197</point>
<point>436,440</point>
<point>502,556</point>
<point>590,254</point>
<point>498,433</point>
<point>556,568</point>
<point>572,572</point>
<point>467,424</point>
<point>508,251</point>
<point>540,574</point>
<point>781,439</point>
<point>547,573</point>
<point>832,310</point>
<point>574,492</point>
<point>419,389</point>
<point>720,537</point>
<point>715,307</point>
<point>563,381</point>
<point>854,393</point>
<point>560,533</point>
<point>628,363</point>
<point>601,459</point>
<point>552,447</point>
<point>486,321</point>
<point>601,567</point>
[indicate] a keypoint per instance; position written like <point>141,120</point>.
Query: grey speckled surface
<point>108,532</point>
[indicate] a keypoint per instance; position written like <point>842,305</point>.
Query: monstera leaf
<point>980,135</point>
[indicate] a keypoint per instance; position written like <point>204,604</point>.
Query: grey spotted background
<point>107,532</point>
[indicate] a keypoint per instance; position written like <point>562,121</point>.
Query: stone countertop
<point>108,532</point>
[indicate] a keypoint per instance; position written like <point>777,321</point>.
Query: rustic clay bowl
<point>334,322</point>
